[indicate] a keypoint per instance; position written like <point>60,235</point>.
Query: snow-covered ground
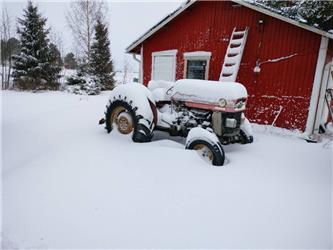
<point>68,184</point>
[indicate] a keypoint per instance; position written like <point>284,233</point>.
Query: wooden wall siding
<point>286,84</point>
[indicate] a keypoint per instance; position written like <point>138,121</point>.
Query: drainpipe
<point>140,71</point>
<point>309,129</point>
<point>136,59</point>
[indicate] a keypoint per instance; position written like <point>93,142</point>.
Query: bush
<point>83,84</point>
<point>35,84</point>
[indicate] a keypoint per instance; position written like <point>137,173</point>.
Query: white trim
<point>241,2</point>
<point>141,65</point>
<point>321,114</point>
<point>309,129</point>
<point>197,55</point>
<point>172,53</point>
<point>200,54</point>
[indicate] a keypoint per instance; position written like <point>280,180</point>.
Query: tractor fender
<point>140,98</point>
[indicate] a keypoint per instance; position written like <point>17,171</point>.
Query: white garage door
<point>164,65</point>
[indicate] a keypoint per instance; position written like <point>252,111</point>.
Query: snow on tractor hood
<point>210,92</point>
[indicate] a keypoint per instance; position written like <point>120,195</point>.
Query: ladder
<point>233,56</point>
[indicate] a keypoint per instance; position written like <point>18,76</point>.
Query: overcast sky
<point>128,20</point>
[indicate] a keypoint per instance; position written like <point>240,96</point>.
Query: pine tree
<point>34,67</point>
<point>52,66</point>
<point>316,13</point>
<point>55,54</point>
<point>70,61</point>
<point>101,64</point>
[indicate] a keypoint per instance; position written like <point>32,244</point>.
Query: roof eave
<point>136,43</point>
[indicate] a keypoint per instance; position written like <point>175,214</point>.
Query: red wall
<point>207,26</point>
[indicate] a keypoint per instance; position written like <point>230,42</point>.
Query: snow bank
<point>67,184</point>
<point>207,91</point>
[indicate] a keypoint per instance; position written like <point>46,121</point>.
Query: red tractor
<point>208,113</point>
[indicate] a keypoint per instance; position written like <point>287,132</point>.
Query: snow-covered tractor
<point>208,113</point>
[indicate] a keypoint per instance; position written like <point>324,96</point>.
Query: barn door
<point>164,65</point>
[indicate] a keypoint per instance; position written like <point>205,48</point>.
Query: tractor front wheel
<point>207,145</point>
<point>212,153</point>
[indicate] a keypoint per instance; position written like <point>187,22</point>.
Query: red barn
<point>285,65</point>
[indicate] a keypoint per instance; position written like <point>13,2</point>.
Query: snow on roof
<point>198,54</point>
<point>246,3</point>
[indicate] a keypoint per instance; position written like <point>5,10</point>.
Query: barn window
<point>196,65</point>
<point>164,65</point>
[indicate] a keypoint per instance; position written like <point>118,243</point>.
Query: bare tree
<point>127,71</point>
<point>81,18</point>
<point>56,39</point>
<point>6,48</point>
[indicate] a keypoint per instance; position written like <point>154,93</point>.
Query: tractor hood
<point>207,92</point>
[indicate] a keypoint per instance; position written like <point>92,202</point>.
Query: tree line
<point>34,62</point>
<point>318,14</point>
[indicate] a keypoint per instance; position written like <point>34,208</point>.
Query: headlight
<point>240,103</point>
<point>222,102</point>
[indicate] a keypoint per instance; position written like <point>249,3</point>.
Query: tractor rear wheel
<point>121,114</point>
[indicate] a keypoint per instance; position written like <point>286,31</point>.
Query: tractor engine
<point>191,117</point>
<point>225,125</point>
<point>215,106</point>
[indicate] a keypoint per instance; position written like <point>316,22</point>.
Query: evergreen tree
<point>56,55</point>
<point>34,67</point>
<point>101,65</point>
<point>284,7</point>
<point>9,48</point>
<point>70,61</point>
<point>315,13</point>
<point>53,66</point>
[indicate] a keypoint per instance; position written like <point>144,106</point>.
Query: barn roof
<point>133,48</point>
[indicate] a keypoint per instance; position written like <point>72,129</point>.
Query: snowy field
<point>68,184</point>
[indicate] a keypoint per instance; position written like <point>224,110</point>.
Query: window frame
<point>172,53</point>
<point>197,56</point>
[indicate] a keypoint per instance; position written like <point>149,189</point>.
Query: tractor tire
<point>245,134</point>
<point>244,139</point>
<point>129,120</point>
<point>214,152</point>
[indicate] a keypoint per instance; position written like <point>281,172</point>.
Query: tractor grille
<point>231,123</point>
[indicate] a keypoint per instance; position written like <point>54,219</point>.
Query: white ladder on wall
<point>233,56</point>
